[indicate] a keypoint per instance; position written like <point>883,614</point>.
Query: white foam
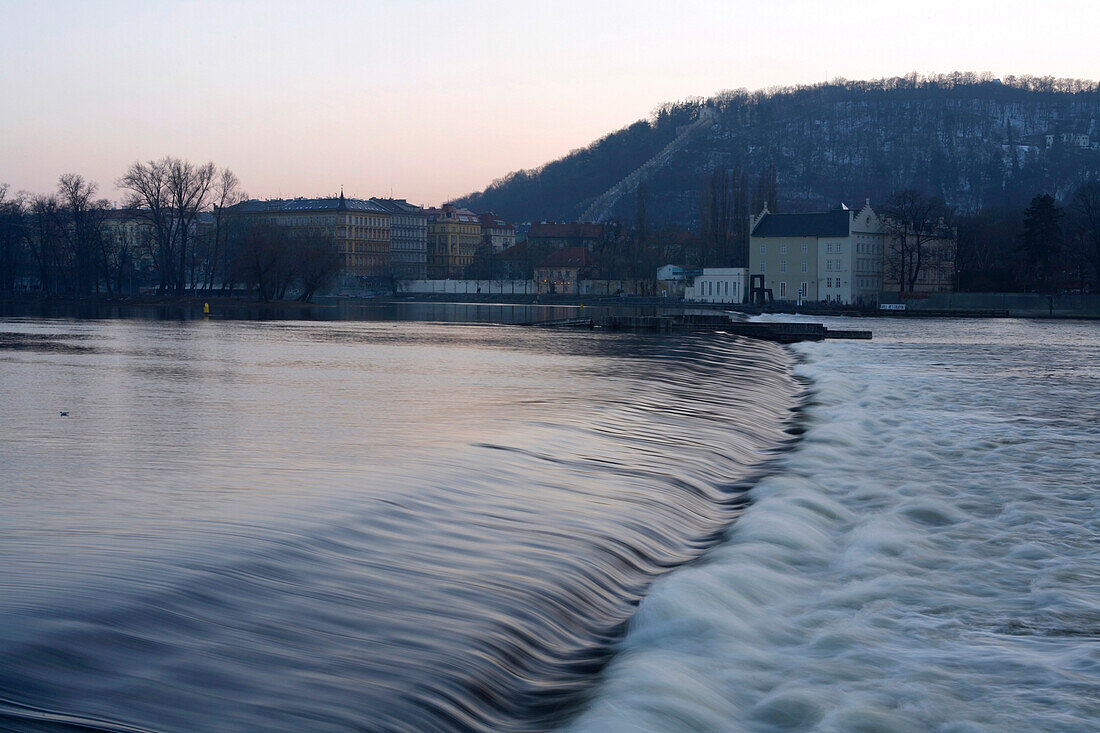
<point>928,558</point>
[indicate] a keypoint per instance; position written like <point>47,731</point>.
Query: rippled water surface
<point>927,558</point>
<point>351,526</point>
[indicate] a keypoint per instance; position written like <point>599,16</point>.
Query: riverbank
<point>330,308</point>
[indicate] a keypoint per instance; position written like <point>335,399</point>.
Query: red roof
<point>570,257</point>
<point>491,220</point>
<point>569,229</point>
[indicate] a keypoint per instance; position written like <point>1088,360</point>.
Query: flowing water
<point>927,558</point>
<point>386,526</point>
<point>419,527</point>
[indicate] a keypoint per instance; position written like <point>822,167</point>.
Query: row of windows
<point>830,248</point>
<point>706,288</point>
<point>803,290</point>
<point>782,248</point>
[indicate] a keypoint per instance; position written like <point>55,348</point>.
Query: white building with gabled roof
<point>833,256</point>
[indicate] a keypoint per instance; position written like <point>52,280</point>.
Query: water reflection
<point>368,526</point>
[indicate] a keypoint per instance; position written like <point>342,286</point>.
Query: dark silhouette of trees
<point>317,266</point>
<point>914,223</point>
<point>273,261</point>
<point>13,237</point>
<point>1041,241</point>
<point>85,251</point>
<point>219,258</point>
<point>1085,211</point>
<point>986,255</point>
<point>169,194</point>
<point>970,139</point>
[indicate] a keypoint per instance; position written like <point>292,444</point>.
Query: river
<point>414,526</point>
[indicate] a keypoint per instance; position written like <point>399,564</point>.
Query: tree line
<point>174,234</point>
<point>1047,246</point>
<point>971,139</point>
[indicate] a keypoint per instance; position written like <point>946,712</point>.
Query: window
<point>829,283</point>
<point>763,249</point>
<point>783,266</point>
<point>782,290</point>
<point>805,266</point>
<point>782,249</point>
<point>805,248</point>
<point>805,289</point>
<point>761,268</point>
<point>829,247</point>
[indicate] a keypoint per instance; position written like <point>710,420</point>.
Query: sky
<point>428,100</point>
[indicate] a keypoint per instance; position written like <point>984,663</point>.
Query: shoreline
<point>328,307</point>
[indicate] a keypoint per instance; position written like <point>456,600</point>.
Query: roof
<point>580,230</point>
<point>489,219</point>
<point>515,252</point>
<point>331,203</point>
<point>398,206</point>
<point>829,224</point>
<point>452,214</point>
<point>570,257</point>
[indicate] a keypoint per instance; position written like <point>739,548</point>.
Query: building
<point>677,272</point>
<point>453,236</point>
<point>563,270</point>
<point>931,253</point>
<point>718,285</point>
<point>1068,139</point>
<point>408,238</point>
<point>516,262</point>
<point>358,229</point>
<point>834,256</point>
<point>496,233</point>
<point>127,231</point>
<point>547,237</point>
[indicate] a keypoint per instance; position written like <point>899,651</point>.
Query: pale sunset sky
<point>430,99</point>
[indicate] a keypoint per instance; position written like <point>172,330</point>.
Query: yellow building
<point>358,229</point>
<point>453,236</point>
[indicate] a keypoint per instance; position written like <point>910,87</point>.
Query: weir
<point>780,332</point>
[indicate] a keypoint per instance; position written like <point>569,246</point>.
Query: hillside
<point>969,138</point>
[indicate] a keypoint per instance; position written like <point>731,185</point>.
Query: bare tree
<point>318,264</point>
<point>227,192</point>
<point>170,193</point>
<point>150,200</point>
<point>83,231</point>
<point>46,240</point>
<point>915,227</point>
<point>13,235</point>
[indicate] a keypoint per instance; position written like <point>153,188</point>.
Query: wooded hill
<point>971,139</point>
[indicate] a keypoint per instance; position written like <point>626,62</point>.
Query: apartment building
<point>453,236</point>
<point>408,238</point>
<point>358,229</point>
